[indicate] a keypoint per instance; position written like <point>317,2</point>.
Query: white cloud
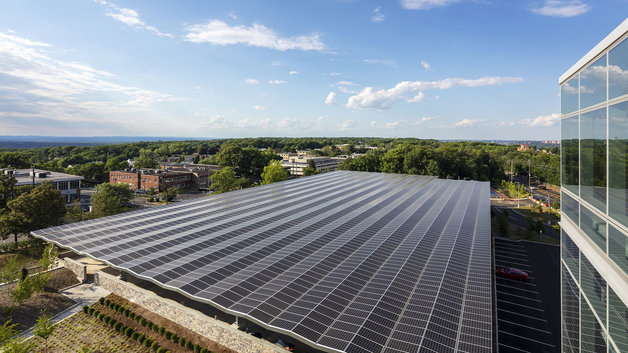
<point>542,120</point>
<point>464,123</point>
<point>293,72</point>
<point>220,33</point>
<point>560,8</point>
<point>379,61</point>
<point>232,15</point>
<point>348,124</point>
<point>251,81</point>
<point>400,124</point>
<point>344,87</point>
<point>34,81</point>
<point>369,98</point>
<point>426,65</point>
<point>130,18</point>
<point>331,98</point>
<point>335,74</point>
<point>505,123</point>
<point>259,107</point>
<point>377,15</point>
<point>276,63</point>
<point>277,82</point>
<point>293,123</point>
<point>425,4</point>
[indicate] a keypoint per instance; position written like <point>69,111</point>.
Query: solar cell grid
<point>348,261</point>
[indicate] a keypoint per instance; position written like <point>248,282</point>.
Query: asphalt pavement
<point>528,313</point>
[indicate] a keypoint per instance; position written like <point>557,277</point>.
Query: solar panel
<point>346,261</point>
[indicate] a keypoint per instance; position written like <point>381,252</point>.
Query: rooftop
<point>343,261</point>
<point>24,177</point>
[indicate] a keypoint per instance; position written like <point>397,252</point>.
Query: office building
<point>68,185</point>
<point>594,210</point>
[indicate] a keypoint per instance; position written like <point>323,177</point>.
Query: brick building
<point>159,179</point>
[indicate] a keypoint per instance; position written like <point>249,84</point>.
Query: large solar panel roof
<point>343,261</point>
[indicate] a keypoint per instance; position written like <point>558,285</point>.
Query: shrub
<point>197,348</point>
<point>188,345</point>
<point>204,350</point>
<point>142,321</point>
<point>90,311</point>
<point>156,327</point>
<point>132,315</point>
<point>101,300</point>
<point>141,338</point>
<point>161,350</point>
<point>167,334</point>
<point>174,338</point>
<point>182,341</point>
<point>101,316</point>
<point>95,313</point>
<point>135,335</point>
<point>85,308</point>
<point>148,342</point>
<point>162,330</point>
<point>128,331</point>
<point>107,301</point>
<point>117,325</point>
<point>154,346</point>
<point>127,312</point>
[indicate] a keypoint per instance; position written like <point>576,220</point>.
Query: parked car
<point>512,273</point>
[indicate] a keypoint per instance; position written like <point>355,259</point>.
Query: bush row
<point>182,341</point>
<point>22,244</point>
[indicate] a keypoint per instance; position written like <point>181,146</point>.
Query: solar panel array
<point>344,261</point>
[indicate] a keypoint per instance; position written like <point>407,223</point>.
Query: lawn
<point>83,333</point>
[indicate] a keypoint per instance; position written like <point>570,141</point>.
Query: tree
<point>146,160</point>
<point>310,169</point>
<point>17,345</point>
<point>10,272</point>
<point>41,208</point>
<point>44,327</point>
<point>274,172</point>
<point>75,213</point>
<point>7,331</point>
<point>224,181</point>
<point>110,199</point>
<point>169,194</point>
<point>115,163</point>
<point>7,189</point>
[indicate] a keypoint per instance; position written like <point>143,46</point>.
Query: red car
<point>512,273</point>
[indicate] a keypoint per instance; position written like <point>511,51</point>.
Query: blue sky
<point>446,69</point>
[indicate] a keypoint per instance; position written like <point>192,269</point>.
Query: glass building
<point>594,194</point>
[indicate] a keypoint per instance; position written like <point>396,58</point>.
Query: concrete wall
<point>79,269</point>
<point>217,331</point>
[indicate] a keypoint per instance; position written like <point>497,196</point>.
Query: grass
<point>83,333</point>
<point>519,233</point>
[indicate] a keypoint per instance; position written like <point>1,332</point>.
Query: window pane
<point>618,162</point>
<point>571,317</point>
<point>618,71</point>
<point>594,227</point>
<point>593,155</point>
<point>592,335</point>
<point>594,287</point>
<point>618,248</point>
<point>593,83</point>
<point>569,96</point>
<point>569,150</point>
<point>617,321</point>
<point>570,208</point>
<point>570,253</point>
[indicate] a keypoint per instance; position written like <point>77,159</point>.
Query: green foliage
<point>75,213</point>
<point>197,348</point>
<point>110,199</point>
<point>182,341</point>
<point>49,257</point>
<point>41,208</point>
<point>17,345</point>
<point>169,194</point>
<point>7,331</point>
<point>44,327</point>
<point>11,270</point>
<point>154,346</point>
<point>188,344</point>
<point>224,181</point>
<point>93,172</point>
<point>274,172</point>
<point>7,186</point>
<point>146,159</point>
<point>204,350</point>
<point>174,338</point>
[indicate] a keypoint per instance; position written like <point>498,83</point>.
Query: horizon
<point>428,69</point>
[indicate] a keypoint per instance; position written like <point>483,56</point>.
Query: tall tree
<point>41,208</point>
<point>224,181</point>
<point>274,172</point>
<point>7,189</point>
<point>44,327</point>
<point>146,160</point>
<point>110,199</point>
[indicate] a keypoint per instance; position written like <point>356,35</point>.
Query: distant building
<point>159,179</point>
<point>524,147</point>
<point>69,185</point>
<point>295,164</point>
<point>200,172</point>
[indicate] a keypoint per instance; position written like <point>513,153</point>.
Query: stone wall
<point>79,269</point>
<point>217,331</point>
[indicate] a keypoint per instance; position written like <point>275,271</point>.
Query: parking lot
<point>528,313</point>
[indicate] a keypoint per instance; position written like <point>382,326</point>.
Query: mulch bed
<point>26,314</point>
<point>169,325</point>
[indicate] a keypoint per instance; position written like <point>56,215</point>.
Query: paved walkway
<point>82,294</point>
